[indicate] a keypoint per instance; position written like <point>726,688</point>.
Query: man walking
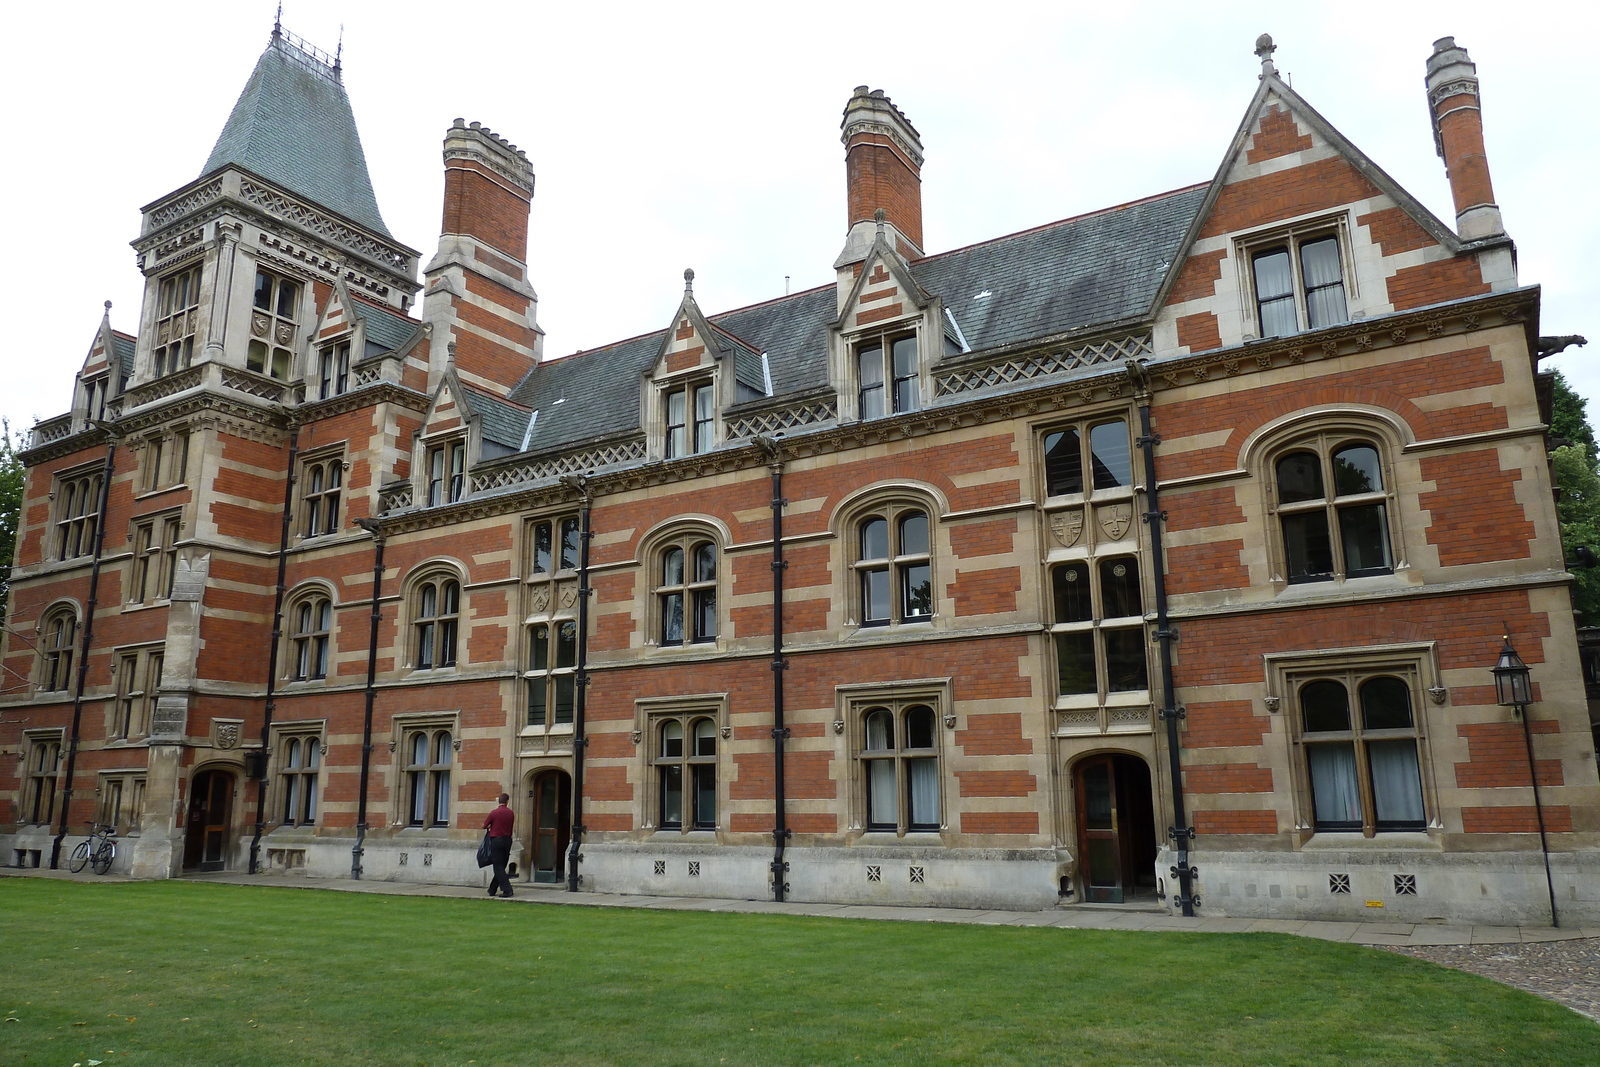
<point>498,823</point>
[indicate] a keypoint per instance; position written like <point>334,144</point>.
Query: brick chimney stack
<point>1453,103</point>
<point>476,294</point>
<point>883,169</point>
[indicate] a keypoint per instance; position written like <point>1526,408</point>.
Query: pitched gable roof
<point>502,423</point>
<point>293,126</point>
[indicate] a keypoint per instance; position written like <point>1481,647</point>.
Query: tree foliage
<point>1577,476</point>
<point>11,475</point>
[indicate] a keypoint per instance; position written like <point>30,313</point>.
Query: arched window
<point>313,619</point>
<point>894,572</point>
<point>686,772</point>
<point>77,514</point>
<point>686,595</point>
<point>44,764</point>
<point>59,640</point>
<point>900,766</point>
<point>322,485</point>
<point>428,757</point>
<point>302,756</point>
<point>1098,626</point>
<point>436,611</point>
<point>1101,449</point>
<point>1362,761</point>
<point>1332,509</point>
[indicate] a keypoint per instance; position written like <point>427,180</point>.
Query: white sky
<point>674,134</point>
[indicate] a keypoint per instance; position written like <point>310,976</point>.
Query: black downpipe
<point>580,737</point>
<point>1180,831</point>
<point>272,654</point>
<point>1538,808</point>
<point>780,732</point>
<point>83,652</point>
<point>373,527</point>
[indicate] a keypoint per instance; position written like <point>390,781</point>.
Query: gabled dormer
<point>888,335</point>
<point>700,371</point>
<point>1300,230</point>
<point>104,370</point>
<point>356,343</point>
<point>463,426</point>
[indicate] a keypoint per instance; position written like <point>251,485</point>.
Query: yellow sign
<point>1374,903</point>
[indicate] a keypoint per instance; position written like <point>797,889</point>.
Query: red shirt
<point>499,822</point>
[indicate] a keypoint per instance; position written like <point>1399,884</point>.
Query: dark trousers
<point>499,853</point>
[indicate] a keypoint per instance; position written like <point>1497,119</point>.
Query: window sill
<point>560,729</point>
<point>1383,840</point>
<point>1336,587</point>
<point>140,605</point>
<point>919,838</point>
<point>708,837</point>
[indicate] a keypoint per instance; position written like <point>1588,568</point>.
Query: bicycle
<point>98,849</point>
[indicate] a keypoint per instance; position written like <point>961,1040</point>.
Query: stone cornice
<point>364,396</point>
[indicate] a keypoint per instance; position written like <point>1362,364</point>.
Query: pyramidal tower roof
<point>293,126</point>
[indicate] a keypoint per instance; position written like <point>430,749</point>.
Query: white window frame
<point>1292,235</point>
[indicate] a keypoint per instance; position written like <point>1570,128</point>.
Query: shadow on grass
<point>183,973</point>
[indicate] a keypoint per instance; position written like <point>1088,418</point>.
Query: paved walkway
<point>1563,965</point>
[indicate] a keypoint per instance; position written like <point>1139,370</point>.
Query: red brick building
<point>1182,534</point>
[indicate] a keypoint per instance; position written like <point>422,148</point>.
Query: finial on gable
<point>688,280</point>
<point>108,305</point>
<point>451,348</point>
<point>880,216</point>
<point>277,23</point>
<point>1264,49</point>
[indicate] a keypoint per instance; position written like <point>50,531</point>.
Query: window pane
<point>1113,463</point>
<point>1326,306</point>
<point>441,749</point>
<point>916,591</point>
<point>292,757</point>
<point>569,544</point>
<point>541,548</point>
<point>672,796</point>
<point>705,562</point>
<point>672,738</point>
<point>1325,706</point>
<point>1385,704</point>
<point>1306,544</point>
<point>539,648</point>
<point>919,727</point>
<point>1364,536</point>
<point>1275,294</point>
<point>904,355</point>
<point>452,598</point>
<point>263,298</point>
<point>875,595</point>
<point>672,619</point>
<point>419,798</point>
<point>1299,477</point>
<point>1396,784</point>
<point>869,364</point>
<point>1125,661</point>
<point>705,738</point>
<point>1070,582</point>
<point>566,695</point>
<point>1356,470</point>
<point>1063,463</point>
<point>672,567</point>
<point>419,749</point>
<point>923,775</point>
<point>703,417</point>
<point>1319,266</point>
<point>705,796</point>
<point>286,293</point>
<point>567,644</point>
<point>880,731</point>
<point>425,646</point>
<point>430,601</point>
<point>675,424</point>
<point>1075,662</point>
<point>441,798</point>
<point>913,534</point>
<point>881,813</point>
<point>1119,588</point>
<point>875,539</point>
<point>538,698</point>
<point>705,614</point>
<point>1335,796</point>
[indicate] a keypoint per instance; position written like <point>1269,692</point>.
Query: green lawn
<point>175,973</point>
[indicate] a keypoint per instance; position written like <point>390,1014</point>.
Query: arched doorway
<point>1116,829</point>
<point>210,821</point>
<point>550,829</point>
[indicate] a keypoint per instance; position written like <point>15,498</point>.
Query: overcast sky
<point>667,135</point>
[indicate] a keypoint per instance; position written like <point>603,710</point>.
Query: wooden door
<point>551,826</point>
<point>1099,845</point>
<point>210,820</point>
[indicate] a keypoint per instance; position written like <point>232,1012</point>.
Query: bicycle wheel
<point>103,857</point>
<point>80,856</point>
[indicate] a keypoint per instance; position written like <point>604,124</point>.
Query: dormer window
<point>177,320</point>
<point>887,376</point>
<point>447,472</point>
<point>272,325</point>
<point>334,365</point>
<point>1298,281</point>
<point>690,419</point>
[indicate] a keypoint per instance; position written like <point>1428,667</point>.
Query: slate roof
<point>503,423</point>
<point>1081,272</point>
<point>387,329</point>
<point>293,126</point>
<point>124,347</point>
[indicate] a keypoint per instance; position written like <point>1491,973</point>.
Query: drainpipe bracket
<point>780,664</point>
<point>1179,712</point>
<point>1180,833</point>
<point>1180,871</point>
<point>781,733</point>
<point>780,565</point>
<point>1146,440</point>
<point>1149,515</point>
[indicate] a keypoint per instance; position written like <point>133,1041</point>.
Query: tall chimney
<point>1453,103</point>
<point>488,189</point>
<point>883,169</point>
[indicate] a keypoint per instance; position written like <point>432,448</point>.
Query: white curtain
<point>880,792</point>
<point>924,791</point>
<point>1396,782</point>
<point>1334,790</point>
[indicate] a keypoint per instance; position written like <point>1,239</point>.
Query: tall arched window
<point>77,514</point>
<point>1362,761</point>
<point>44,764</point>
<point>302,756</point>
<point>1332,509</point>
<point>313,620</point>
<point>686,772</point>
<point>900,766</point>
<point>437,610</point>
<point>894,572</point>
<point>428,758</point>
<point>1098,626</point>
<point>60,636</point>
<point>550,678</point>
<point>322,485</point>
<point>687,591</point>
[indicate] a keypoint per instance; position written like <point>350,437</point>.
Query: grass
<point>176,973</point>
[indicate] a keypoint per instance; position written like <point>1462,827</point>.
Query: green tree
<point>1578,478</point>
<point>11,475</point>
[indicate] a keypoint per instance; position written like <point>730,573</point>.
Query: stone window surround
<point>851,702</point>
<point>648,714</point>
<point>1244,247</point>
